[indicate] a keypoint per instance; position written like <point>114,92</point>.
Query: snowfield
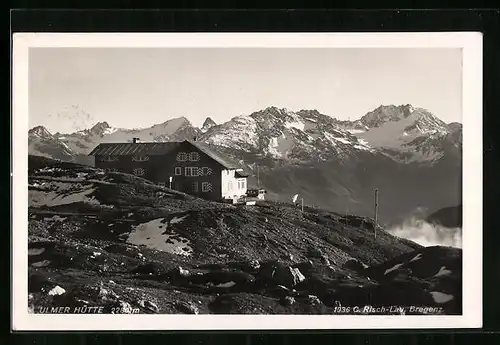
<point>60,193</point>
<point>297,124</point>
<point>155,235</point>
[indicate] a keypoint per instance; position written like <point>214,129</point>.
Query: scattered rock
<point>179,272</point>
<point>254,265</point>
<point>35,251</point>
<point>287,300</point>
<point>56,291</point>
<point>149,305</point>
<point>282,291</point>
<point>106,294</point>
<point>312,299</point>
<point>43,263</point>
<point>187,307</point>
<point>280,274</point>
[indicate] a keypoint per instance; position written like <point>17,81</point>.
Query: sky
<point>73,88</point>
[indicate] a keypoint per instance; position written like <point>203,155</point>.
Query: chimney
<point>135,140</point>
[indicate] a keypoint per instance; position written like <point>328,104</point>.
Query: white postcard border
<point>469,42</point>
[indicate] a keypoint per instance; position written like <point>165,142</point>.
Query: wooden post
<point>302,202</point>
<point>376,212</point>
<point>258,178</point>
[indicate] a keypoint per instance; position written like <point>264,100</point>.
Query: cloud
<point>427,234</point>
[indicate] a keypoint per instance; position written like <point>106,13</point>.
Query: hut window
<point>109,158</point>
<point>206,187</point>
<point>191,171</point>
<point>194,156</point>
<point>140,158</point>
<point>139,172</point>
<point>182,157</point>
<point>195,187</point>
<point>206,171</point>
<point>178,171</point>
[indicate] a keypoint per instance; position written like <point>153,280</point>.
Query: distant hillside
<point>450,217</point>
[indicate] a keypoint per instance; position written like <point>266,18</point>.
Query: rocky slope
<point>115,243</point>
<point>41,142</point>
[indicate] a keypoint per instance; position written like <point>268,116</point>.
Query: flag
<point>294,199</point>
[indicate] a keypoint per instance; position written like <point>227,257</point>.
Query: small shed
<point>258,193</point>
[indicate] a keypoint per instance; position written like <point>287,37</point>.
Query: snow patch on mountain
<point>280,147</point>
<point>403,133</point>
<point>40,132</point>
<point>239,134</point>
<point>296,124</point>
<point>333,139</point>
<point>355,131</point>
<point>84,141</point>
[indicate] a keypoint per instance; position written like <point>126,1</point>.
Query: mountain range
<point>409,154</point>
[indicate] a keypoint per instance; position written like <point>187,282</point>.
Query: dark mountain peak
<point>315,115</point>
<point>40,131</point>
<point>208,123</point>
<point>275,111</point>
<point>386,113</point>
<point>455,126</point>
<point>102,124</point>
<point>178,122</point>
<point>100,128</point>
<point>309,112</point>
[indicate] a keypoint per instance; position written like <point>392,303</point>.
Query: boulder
<point>279,274</point>
<point>187,307</point>
<point>312,299</point>
<point>178,273</point>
